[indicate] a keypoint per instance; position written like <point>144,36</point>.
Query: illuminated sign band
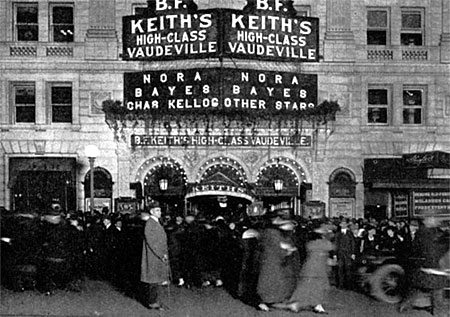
<point>219,140</point>
<point>219,89</point>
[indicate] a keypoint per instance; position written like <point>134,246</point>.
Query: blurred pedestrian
<point>314,282</point>
<point>155,259</point>
<point>278,266</point>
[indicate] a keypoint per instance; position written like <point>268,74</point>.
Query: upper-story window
<point>139,8</point>
<point>24,99</point>
<point>413,101</point>
<point>26,21</point>
<point>61,23</point>
<point>412,29</point>
<point>378,105</point>
<point>378,27</point>
<point>303,11</point>
<point>61,102</point>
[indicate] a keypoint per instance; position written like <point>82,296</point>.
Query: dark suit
<point>345,248</point>
<point>154,265</point>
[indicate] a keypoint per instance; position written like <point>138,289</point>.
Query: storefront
<point>36,183</point>
<point>415,185</point>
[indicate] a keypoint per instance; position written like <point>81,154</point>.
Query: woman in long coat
<point>314,281</point>
<point>278,262</point>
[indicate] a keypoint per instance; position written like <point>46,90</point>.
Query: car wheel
<point>385,283</point>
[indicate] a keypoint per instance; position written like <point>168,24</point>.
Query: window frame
<point>52,25</point>
<point>16,24</point>
<point>51,105</point>
<point>303,8</point>
<point>420,107</point>
<point>387,106</point>
<point>386,29</point>
<point>135,6</point>
<point>14,86</point>
<point>421,11</point>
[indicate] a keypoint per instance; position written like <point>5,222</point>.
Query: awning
<point>401,173</point>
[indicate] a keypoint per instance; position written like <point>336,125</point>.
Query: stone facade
<point>347,68</point>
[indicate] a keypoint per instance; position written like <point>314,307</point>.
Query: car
<point>380,275</point>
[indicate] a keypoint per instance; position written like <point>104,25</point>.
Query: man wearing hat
<point>346,254</point>
<point>154,264</point>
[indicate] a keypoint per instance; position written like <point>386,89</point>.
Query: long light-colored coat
<point>153,268</point>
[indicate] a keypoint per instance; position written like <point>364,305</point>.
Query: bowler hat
<point>155,204</point>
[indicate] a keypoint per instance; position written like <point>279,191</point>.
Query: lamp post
<point>91,151</point>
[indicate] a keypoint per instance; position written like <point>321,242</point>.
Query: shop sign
<point>99,204</point>
<point>314,209</point>
<point>434,159</point>
<point>342,207</point>
<point>264,29</point>
<point>219,89</point>
<point>401,204</point>
<point>220,140</point>
<point>431,203</point>
<point>218,187</point>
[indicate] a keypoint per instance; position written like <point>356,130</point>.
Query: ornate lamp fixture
<point>278,185</point>
<point>163,184</point>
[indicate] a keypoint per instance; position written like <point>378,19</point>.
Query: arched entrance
<point>165,182</point>
<point>279,185</point>
<point>342,189</point>
<point>103,189</point>
<point>221,189</point>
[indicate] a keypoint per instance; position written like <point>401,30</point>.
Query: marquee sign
<point>168,37</point>
<point>219,89</point>
<point>264,29</point>
<point>220,140</point>
<point>265,36</point>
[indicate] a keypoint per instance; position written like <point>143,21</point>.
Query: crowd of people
<point>264,261</point>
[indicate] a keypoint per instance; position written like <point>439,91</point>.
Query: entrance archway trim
<point>220,193</point>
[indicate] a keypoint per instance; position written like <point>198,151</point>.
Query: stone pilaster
<point>101,36</point>
<point>124,171</point>
<point>445,36</point>
<point>339,44</point>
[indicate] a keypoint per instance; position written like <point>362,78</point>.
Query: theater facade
<point>329,107</point>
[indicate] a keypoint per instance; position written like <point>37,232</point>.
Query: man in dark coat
<point>155,259</point>
<point>346,253</point>
<point>428,248</point>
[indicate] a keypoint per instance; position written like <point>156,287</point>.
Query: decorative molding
<point>96,99</point>
<point>447,106</point>
<point>344,101</point>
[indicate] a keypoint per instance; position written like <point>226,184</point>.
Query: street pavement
<point>98,298</point>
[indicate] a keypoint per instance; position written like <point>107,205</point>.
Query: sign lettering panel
<point>219,89</point>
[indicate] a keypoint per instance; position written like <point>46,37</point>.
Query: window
<point>379,100</point>
<point>413,100</point>
<point>61,102</point>
<point>61,23</point>
<point>139,8</point>
<point>26,22</point>
<point>378,27</point>
<point>412,27</point>
<point>24,96</point>
<point>303,11</point>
